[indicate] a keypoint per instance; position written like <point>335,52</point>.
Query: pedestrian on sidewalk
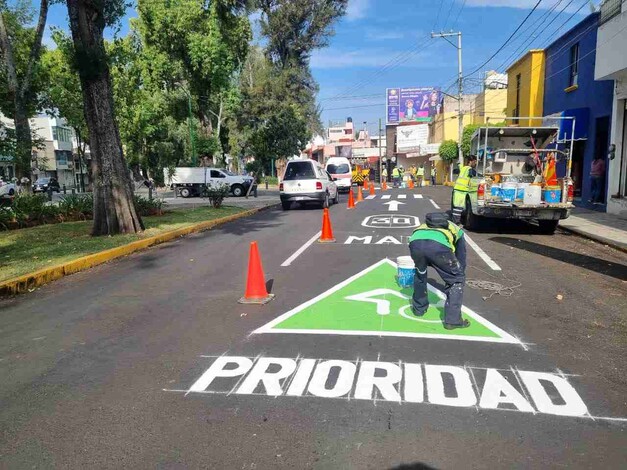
<point>440,243</point>
<point>597,177</point>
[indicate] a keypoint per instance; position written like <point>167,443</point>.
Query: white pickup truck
<point>189,181</point>
<point>510,182</point>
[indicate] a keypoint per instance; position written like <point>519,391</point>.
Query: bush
<point>77,206</point>
<point>33,208</point>
<point>216,194</point>
<point>7,218</point>
<point>272,180</point>
<point>146,207</point>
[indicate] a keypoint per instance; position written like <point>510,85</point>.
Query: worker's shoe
<point>416,312</point>
<point>449,326</point>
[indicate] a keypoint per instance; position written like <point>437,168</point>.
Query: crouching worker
<point>440,243</point>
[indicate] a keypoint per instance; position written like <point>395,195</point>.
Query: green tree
<point>449,153</point>
<point>20,73</point>
<point>114,207</point>
<point>469,130</point>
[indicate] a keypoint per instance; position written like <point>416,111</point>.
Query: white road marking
<point>386,196</point>
<point>300,251</point>
<point>393,205</point>
<point>434,204</point>
<point>482,254</point>
<point>417,196</point>
<point>371,196</point>
<point>402,196</point>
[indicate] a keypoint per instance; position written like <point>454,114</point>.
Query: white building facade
<point>611,64</point>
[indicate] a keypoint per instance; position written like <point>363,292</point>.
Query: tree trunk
<point>114,207</point>
<point>24,141</point>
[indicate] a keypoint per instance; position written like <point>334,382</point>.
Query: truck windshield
<point>340,169</point>
<point>299,171</point>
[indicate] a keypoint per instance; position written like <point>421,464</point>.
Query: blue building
<point>571,90</point>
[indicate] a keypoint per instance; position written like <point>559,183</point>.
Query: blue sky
<point>386,43</point>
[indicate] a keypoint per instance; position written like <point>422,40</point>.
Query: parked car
<point>307,181</point>
<point>340,168</point>
<point>189,182</point>
<point>7,189</point>
<point>42,185</point>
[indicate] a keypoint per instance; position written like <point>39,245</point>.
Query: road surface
<point>150,361</point>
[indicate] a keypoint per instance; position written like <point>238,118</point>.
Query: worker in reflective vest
<point>396,176</point>
<point>439,243</point>
<point>420,174</point>
<point>463,186</point>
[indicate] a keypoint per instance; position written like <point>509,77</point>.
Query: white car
<point>7,189</point>
<point>307,181</point>
<point>340,169</point>
<point>190,182</point>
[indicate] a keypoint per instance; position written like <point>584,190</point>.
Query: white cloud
<point>357,9</point>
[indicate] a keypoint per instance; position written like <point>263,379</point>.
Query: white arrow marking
<point>383,306</point>
<point>393,205</point>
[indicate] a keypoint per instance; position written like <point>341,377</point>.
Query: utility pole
<point>460,115</point>
<point>380,162</point>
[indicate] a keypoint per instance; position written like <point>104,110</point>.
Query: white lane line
<point>300,251</point>
<point>434,204</point>
<point>371,197</point>
<point>417,196</point>
<point>402,196</point>
<point>482,254</point>
<point>386,196</point>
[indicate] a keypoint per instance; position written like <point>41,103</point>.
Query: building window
<point>61,156</point>
<point>574,65</point>
<point>61,134</point>
<point>516,112</point>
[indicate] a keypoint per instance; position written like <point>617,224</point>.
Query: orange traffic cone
<point>360,196</point>
<point>351,199</point>
<point>411,183</point>
<point>256,292</point>
<point>384,186</point>
<point>366,183</point>
<point>327,231</point>
<point>372,189</point>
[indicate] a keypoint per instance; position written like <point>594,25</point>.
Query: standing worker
<point>396,176</point>
<point>420,174</point>
<point>463,186</point>
<point>384,174</point>
<point>439,243</point>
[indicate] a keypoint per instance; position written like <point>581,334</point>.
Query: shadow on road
<point>413,466</point>
<point>252,224</point>
<point>598,265</point>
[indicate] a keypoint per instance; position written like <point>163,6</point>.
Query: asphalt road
<point>149,361</point>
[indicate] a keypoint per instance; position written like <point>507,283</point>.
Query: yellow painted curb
<point>28,282</point>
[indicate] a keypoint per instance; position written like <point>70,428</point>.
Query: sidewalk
<point>605,228</point>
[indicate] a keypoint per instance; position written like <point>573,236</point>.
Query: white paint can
<point>533,195</point>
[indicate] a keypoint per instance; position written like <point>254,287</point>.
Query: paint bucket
<point>520,191</point>
<point>508,191</point>
<point>533,195</point>
<point>552,194</point>
<point>406,271</point>
<point>495,191</point>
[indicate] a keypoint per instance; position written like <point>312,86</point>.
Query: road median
<point>30,281</point>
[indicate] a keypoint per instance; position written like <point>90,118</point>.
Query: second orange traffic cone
<point>327,231</point>
<point>384,186</point>
<point>256,292</point>
<point>360,196</point>
<point>411,183</point>
<point>372,189</point>
<point>351,199</point>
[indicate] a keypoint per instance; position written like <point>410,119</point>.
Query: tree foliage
<point>449,151</point>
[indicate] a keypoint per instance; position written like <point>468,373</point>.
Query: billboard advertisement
<point>410,138</point>
<point>413,104</point>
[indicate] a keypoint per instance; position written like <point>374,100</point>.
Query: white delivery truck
<point>522,173</point>
<point>190,181</point>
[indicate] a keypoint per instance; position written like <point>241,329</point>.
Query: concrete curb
<point>597,238</point>
<point>28,282</point>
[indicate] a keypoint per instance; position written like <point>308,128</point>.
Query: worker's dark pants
<point>451,268</point>
<point>458,205</point>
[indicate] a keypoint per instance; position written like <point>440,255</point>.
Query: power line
<point>458,13</point>
<point>449,14</point>
<point>354,107</point>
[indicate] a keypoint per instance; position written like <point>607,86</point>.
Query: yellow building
<point>525,92</point>
<point>445,127</point>
<point>490,103</point>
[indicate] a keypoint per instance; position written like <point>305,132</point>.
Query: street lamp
<point>192,137</point>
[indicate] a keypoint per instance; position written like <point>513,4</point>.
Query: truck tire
<point>548,227</point>
<point>238,190</point>
<point>185,192</point>
<point>471,221</point>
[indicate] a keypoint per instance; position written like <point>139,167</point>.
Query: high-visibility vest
<point>421,171</point>
<point>396,172</point>
<point>463,182</point>
<point>450,239</point>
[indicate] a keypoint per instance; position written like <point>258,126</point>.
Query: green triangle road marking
<point>372,303</point>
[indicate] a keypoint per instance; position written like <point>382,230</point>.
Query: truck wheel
<point>471,221</point>
<point>185,192</point>
<point>548,227</point>
<point>286,205</point>
<point>238,190</point>
<point>11,192</point>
